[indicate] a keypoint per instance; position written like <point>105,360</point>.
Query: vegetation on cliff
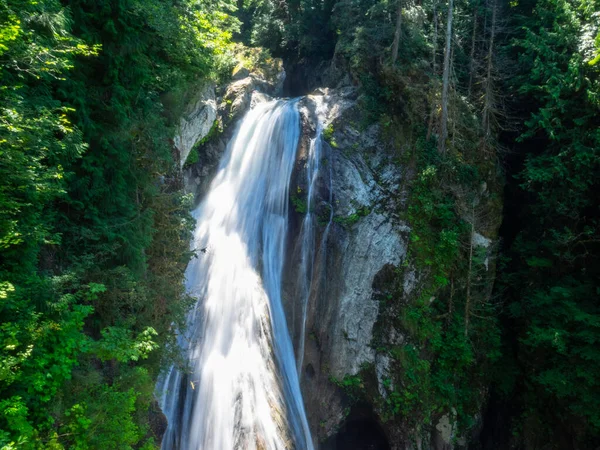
<point>94,229</point>
<point>471,88</point>
<point>551,280</point>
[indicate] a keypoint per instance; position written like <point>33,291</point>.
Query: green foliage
<point>352,218</point>
<point>192,158</point>
<point>437,227</point>
<point>94,229</point>
<point>552,280</point>
<point>328,136</point>
<point>293,28</point>
<point>299,201</point>
<point>352,385</point>
<point>439,368</point>
<point>118,344</point>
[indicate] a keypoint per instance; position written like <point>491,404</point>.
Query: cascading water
<point>308,230</point>
<point>241,389</point>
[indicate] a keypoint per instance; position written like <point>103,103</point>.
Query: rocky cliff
<point>363,278</point>
<point>211,117</point>
<point>345,321</point>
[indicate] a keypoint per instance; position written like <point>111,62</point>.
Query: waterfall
<point>241,388</point>
<point>308,229</point>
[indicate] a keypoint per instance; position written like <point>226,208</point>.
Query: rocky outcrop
<point>348,323</point>
<point>236,97</point>
<point>364,186</point>
<point>215,112</point>
<point>197,121</point>
<point>362,279</point>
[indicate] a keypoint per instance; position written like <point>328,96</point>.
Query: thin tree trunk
<point>472,55</point>
<point>397,34</point>
<point>468,295</point>
<point>434,68</point>
<point>485,18</point>
<point>452,112</point>
<point>435,36</point>
<point>488,103</point>
<point>451,302</point>
<point>446,81</point>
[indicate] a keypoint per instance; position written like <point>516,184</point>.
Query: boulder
<point>197,121</point>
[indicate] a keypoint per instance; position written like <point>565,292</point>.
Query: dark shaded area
<point>157,420</point>
<point>303,77</point>
<point>496,431</point>
<point>504,408</point>
<point>360,431</point>
<point>309,371</point>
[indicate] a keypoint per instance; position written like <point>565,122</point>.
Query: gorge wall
<point>349,329</point>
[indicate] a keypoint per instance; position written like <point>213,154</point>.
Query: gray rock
<point>382,370</point>
<point>240,73</point>
<point>481,241</point>
<point>365,250</point>
<point>365,239</point>
<point>410,282</point>
<point>442,436</point>
<point>197,121</point>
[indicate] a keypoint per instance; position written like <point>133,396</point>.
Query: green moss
<point>300,203</point>
<point>328,132</point>
<point>352,218</point>
<point>328,135</point>
<point>215,130</point>
<point>194,155</point>
<point>192,158</point>
<point>352,385</point>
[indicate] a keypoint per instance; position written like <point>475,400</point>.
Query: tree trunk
<point>446,81</point>
<point>453,111</point>
<point>451,301</point>
<point>488,103</point>
<point>434,68</point>
<point>397,34</point>
<point>472,55</point>
<point>469,274</point>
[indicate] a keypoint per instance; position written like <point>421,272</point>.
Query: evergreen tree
<point>554,277</point>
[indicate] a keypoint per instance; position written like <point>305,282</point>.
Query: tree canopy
<point>94,228</point>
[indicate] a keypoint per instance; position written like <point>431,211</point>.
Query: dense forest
<point>94,224</point>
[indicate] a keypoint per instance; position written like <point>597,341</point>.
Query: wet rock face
<point>362,279</point>
<point>157,420</point>
<point>365,238</point>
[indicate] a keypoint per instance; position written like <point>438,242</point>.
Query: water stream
<point>241,389</point>
<point>308,247</point>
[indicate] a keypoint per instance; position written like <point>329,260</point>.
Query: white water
<point>242,389</point>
